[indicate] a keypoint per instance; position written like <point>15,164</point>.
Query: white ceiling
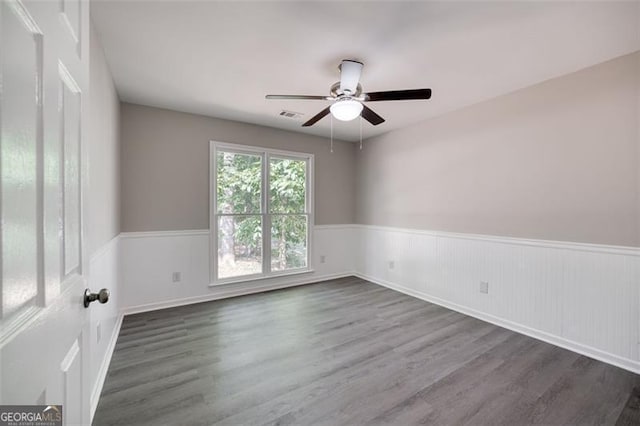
<point>221,58</point>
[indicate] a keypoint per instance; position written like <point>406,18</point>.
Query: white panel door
<point>43,100</point>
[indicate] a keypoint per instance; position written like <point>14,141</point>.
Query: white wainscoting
<point>149,259</point>
<point>582,297</point>
<point>105,320</point>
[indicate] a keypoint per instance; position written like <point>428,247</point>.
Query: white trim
<point>260,277</point>
<point>104,367</point>
<point>68,79</point>
<point>231,292</point>
<point>331,227</point>
<point>565,245</point>
<point>104,248</point>
<point>265,154</point>
<point>27,20</point>
<point>211,232</point>
<point>70,357</point>
<point>265,207</point>
<point>153,234</point>
<point>251,149</point>
<point>20,322</point>
<point>29,316</point>
<point>195,232</point>
<point>627,364</point>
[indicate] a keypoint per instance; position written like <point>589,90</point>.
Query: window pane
<point>287,185</point>
<point>239,246</point>
<point>288,242</point>
<point>239,180</point>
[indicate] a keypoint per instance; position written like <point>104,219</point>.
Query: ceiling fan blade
<point>313,120</point>
<point>302,97</point>
<point>370,116</point>
<point>398,95</point>
<point>350,76</point>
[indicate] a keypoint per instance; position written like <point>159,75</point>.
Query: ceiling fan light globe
<point>346,110</point>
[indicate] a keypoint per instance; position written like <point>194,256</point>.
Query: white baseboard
<point>230,291</point>
<point>591,352</point>
<point>104,367</point>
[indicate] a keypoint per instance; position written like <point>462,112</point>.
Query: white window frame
<point>265,154</point>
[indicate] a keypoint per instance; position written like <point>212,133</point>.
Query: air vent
<point>291,114</point>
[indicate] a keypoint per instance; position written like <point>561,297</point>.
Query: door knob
<point>102,296</point>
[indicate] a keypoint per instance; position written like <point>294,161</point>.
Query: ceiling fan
<point>348,98</point>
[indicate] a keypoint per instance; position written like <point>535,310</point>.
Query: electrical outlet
<point>392,264</point>
<point>484,287</point>
<point>323,259</point>
<point>176,277</point>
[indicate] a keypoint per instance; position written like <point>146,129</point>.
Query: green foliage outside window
<point>239,180</point>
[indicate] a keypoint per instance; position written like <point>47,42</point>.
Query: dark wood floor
<point>347,352</point>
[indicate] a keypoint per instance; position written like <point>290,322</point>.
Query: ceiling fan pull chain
<point>332,133</point>
<point>361,133</point>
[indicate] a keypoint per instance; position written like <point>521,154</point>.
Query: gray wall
<point>557,161</point>
<point>165,168</point>
<point>104,151</point>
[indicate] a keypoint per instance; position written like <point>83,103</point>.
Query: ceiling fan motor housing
<point>336,92</point>
<point>350,72</point>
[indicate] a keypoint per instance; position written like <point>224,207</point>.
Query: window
<point>261,204</point>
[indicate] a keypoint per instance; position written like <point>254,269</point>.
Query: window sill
<point>250,278</point>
